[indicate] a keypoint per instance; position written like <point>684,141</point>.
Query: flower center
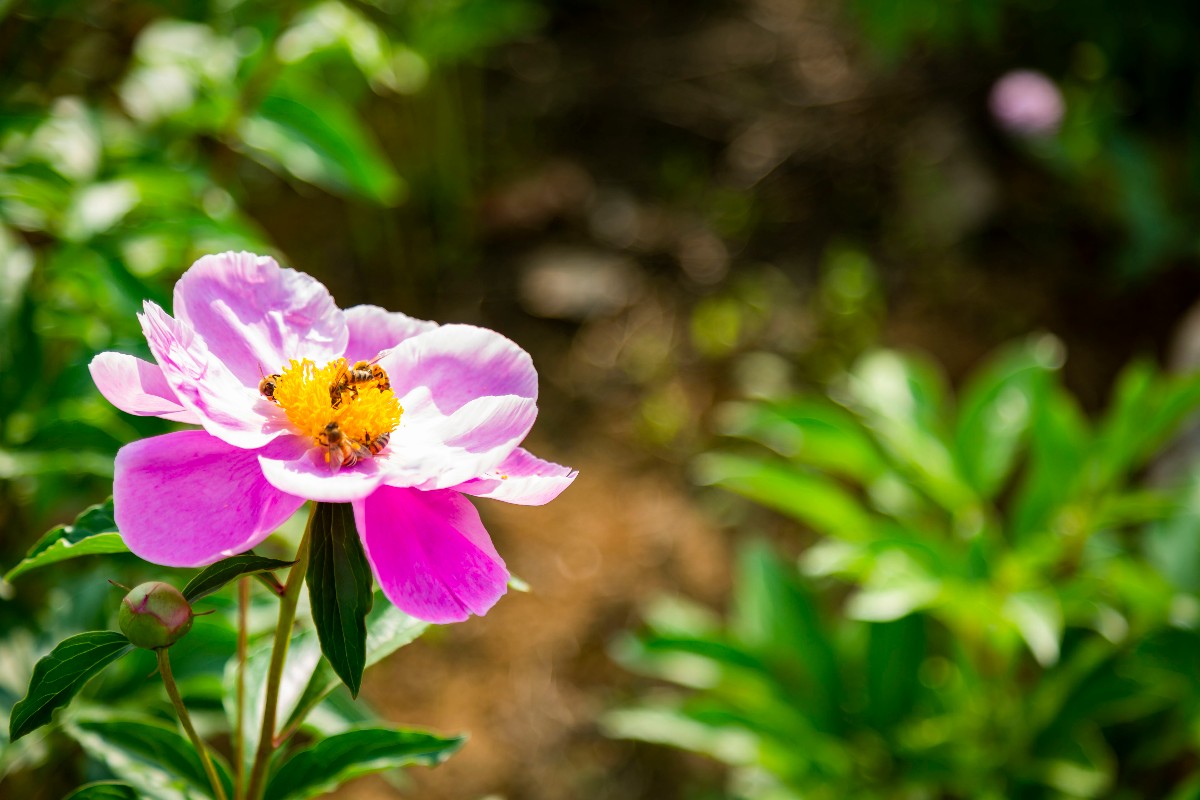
<point>357,397</point>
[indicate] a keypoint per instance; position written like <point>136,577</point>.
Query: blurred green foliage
<point>999,600</point>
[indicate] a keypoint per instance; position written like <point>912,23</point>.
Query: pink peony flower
<point>440,415</point>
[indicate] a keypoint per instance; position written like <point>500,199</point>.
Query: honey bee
<point>340,449</point>
<point>266,387</point>
<point>376,443</point>
<point>350,379</point>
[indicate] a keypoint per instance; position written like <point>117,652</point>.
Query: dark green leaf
<point>339,590</point>
<point>388,629</point>
<point>92,533</point>
<point>151,756</point>
<point>330,763</point>
<point>773,613</point>
<point>60,675</point>
<point>895,652</point>
<point>104,790</point>
<point>213,577</point>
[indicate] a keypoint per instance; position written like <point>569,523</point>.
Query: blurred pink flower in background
<point>445,419</point>
<point>1027,103</point>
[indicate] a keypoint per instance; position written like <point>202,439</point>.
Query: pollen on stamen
<point>312,398</point>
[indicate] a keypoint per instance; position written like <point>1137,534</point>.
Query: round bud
<point>154,615</point>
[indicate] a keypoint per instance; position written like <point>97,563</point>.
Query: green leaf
<point>1146,410</point>
<point>213,577</point>
<point>812,432</point>
<point>388,629</point>
<point>149,755</point>
<point>58,676</point>
<point>895,652</point>
<point>728,744</point>
<point>103,790</point>
<point>1058,449</point>
<point>339,591</point>
<point>808,497</point>
<point>345,756</point>
<point>997,408</point>
<point>774,613</point>
<point>313,136</point>
<point>308,678</point>
<point>902,399</point>
<point>92,533</point>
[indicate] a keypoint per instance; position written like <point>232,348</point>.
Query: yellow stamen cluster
<point>313,397</point>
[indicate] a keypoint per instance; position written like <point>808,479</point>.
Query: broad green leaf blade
<point>997,408</point>
<point>93,532</point>
<point>304,131</point>
<point>339,591</point>
<point>104,790</point>
<point>729,744</point>
<point>388,629</point>
<point>330,763</point>
<point>149,755</point>
<point>808,497</point>
<point>812,432</point>
<point>213,577</point>
<point>1038,616</point>
<point>61,674</point>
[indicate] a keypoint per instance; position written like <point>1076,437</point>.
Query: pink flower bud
<point>154,615</point>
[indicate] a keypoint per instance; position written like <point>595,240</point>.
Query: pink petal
<point>255,316</point>
<point>137,387</point>
<point>459,363</point>
<point>188,499</point>
<point>374,329</point>
<point>226,408</point>
<point>430,553</point>
<point>469,397</point>
<point>432,451</point>
<point>522,478</point>
<point>294,466</point>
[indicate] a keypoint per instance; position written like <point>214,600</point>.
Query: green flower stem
<point>283,637</point>
<point>239,730</point>
<point>185,719</point>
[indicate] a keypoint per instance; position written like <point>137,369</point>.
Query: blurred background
<point>868,325</point>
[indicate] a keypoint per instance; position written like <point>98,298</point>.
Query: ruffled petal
<point>225,407</point>
<point>137,387</point>
<point>255,316</point>
<point>469,397</point>
<point>188,499</point>
<point>374,329</point>
<point>430,553</point>
<point>296,467</point>
<point>523,479</point>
